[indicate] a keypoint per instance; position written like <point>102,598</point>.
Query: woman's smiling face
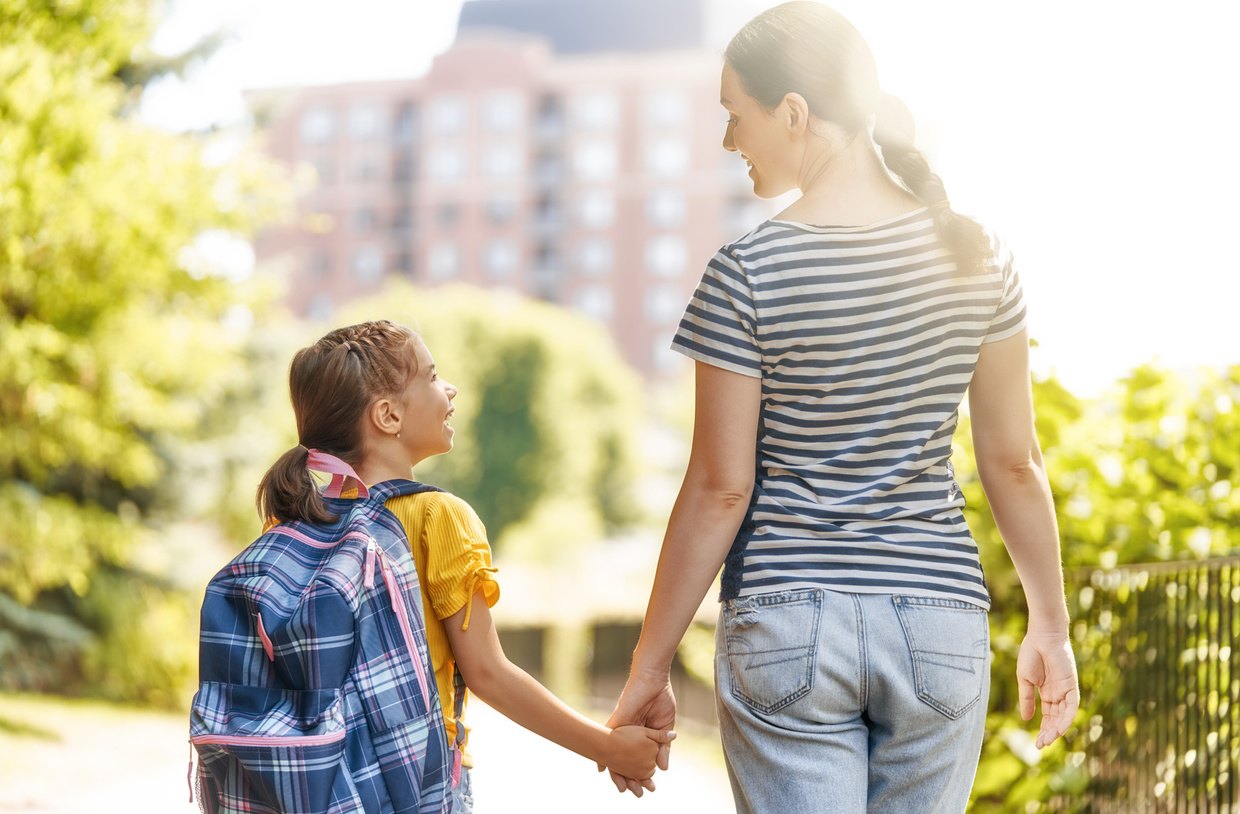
<point>759,135</point>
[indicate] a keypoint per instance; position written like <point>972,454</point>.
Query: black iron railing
<point>1160,669</point>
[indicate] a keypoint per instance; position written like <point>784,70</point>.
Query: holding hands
<point>646,701</point>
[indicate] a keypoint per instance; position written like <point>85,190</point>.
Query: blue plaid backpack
<point>316,693</point>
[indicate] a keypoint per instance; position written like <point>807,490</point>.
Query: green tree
<point>546,417</point>
<point>1144,473</point>
<point>114,347</point>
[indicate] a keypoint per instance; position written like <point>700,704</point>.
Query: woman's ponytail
<point>894,135</point>
<point>288,491</point>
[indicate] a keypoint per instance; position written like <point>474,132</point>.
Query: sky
<point>1098,138</point>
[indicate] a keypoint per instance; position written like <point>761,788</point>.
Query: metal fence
<point>1157,646</point>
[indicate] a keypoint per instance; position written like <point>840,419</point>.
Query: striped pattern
<point>865,339</point>
<point>337,718</point>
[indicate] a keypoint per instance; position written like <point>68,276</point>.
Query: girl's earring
<point>398,435</point>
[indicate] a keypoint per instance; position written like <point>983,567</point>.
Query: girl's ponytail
<point>331,384</point>
<point>288,491</point>
<point>893,133</point>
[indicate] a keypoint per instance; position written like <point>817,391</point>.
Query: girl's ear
<point>384,416</point>
<point>795,111</point>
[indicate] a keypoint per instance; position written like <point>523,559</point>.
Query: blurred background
<point>190,191</point>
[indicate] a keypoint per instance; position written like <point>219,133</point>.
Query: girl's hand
<point>1046,662</point>
<point>631,750</point>
<point>647,700</point>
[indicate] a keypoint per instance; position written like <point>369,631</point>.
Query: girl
<point>370,395</point>
<point>833,345</point>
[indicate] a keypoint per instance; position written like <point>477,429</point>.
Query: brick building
<point>586,172</point>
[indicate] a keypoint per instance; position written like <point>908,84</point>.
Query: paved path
<point>61,757</point>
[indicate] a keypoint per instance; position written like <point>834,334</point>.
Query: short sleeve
<point>1009,316</point>
<point>719,326</point>
<point>458,562</point>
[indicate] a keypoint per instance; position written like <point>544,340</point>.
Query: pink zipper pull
<point>189,773</point>
<point>368,575</point>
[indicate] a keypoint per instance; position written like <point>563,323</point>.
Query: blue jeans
<point>844,703</point>
<point>463,794</point>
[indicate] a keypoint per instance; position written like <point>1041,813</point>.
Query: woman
<point>833,346</point>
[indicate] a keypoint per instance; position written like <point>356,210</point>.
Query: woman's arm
<point>511,691</point>
<point>704,521</point>
<point>708,511</point>
<point>1009,462</point>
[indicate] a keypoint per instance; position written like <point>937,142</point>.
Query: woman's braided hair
<point>807,48</point>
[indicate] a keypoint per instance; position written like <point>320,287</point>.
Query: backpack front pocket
<point>267,750</point>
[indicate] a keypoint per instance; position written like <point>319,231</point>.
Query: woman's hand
<point>647,700</point>
<point>1046,663</point>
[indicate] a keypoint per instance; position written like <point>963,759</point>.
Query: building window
<point>597,111</point>
<point>364,122</point>
<point>668,158</point>
<point>666,255</point>
<point>668,109</point>
<point>594,256</point>
<point>402,169</point>
<point>596,209</point>
<point>402,219</point>
<point>445,261</point>
<point>549,168</point>
<point>548,216</point>
<point>449,115</point>
<point>595,301</point>
<point>447,214</point>
<point>324,170</point>
<point>446,164</point>
<point>549,124</point>
<point>663,305</point>
<point>365,169</point>
<point>321,308</point>
<point>367,264</point>
<point>405,123</point>
<point>317,125</point>
<point>319,265</point>
<point>402,263</point>
<point>665,208</point>
<point>503,111</point>
<point>595,160</point>
<point>363,220</point>
<point>500,258</point>
<point>501,209</point>
<point>503,161</point>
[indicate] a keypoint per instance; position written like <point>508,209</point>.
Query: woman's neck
<point>845,183</point>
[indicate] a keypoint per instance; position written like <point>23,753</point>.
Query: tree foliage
<point>1148,472</point>
<point>113,347</point>
<point>546,415</point>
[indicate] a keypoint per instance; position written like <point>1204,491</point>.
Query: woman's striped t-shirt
<point>865,339</point>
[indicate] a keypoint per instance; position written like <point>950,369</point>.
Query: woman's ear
<point>795,111</point>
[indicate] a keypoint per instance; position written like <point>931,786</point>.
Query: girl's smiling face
<point>426,408</point>
<point>759,135</point>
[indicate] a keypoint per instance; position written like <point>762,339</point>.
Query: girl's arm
<point>1009,462</point>
<point>505,687</point>
<point>708,512</point>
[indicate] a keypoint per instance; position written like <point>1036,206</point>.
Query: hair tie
<point>940,206</point>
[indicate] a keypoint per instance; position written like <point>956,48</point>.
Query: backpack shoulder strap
<point>385,490</point>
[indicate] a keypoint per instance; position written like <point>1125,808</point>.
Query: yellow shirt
<point>453,559</point>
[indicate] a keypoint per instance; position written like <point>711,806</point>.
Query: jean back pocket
<point>949,641</point>
<point>771,642</point>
